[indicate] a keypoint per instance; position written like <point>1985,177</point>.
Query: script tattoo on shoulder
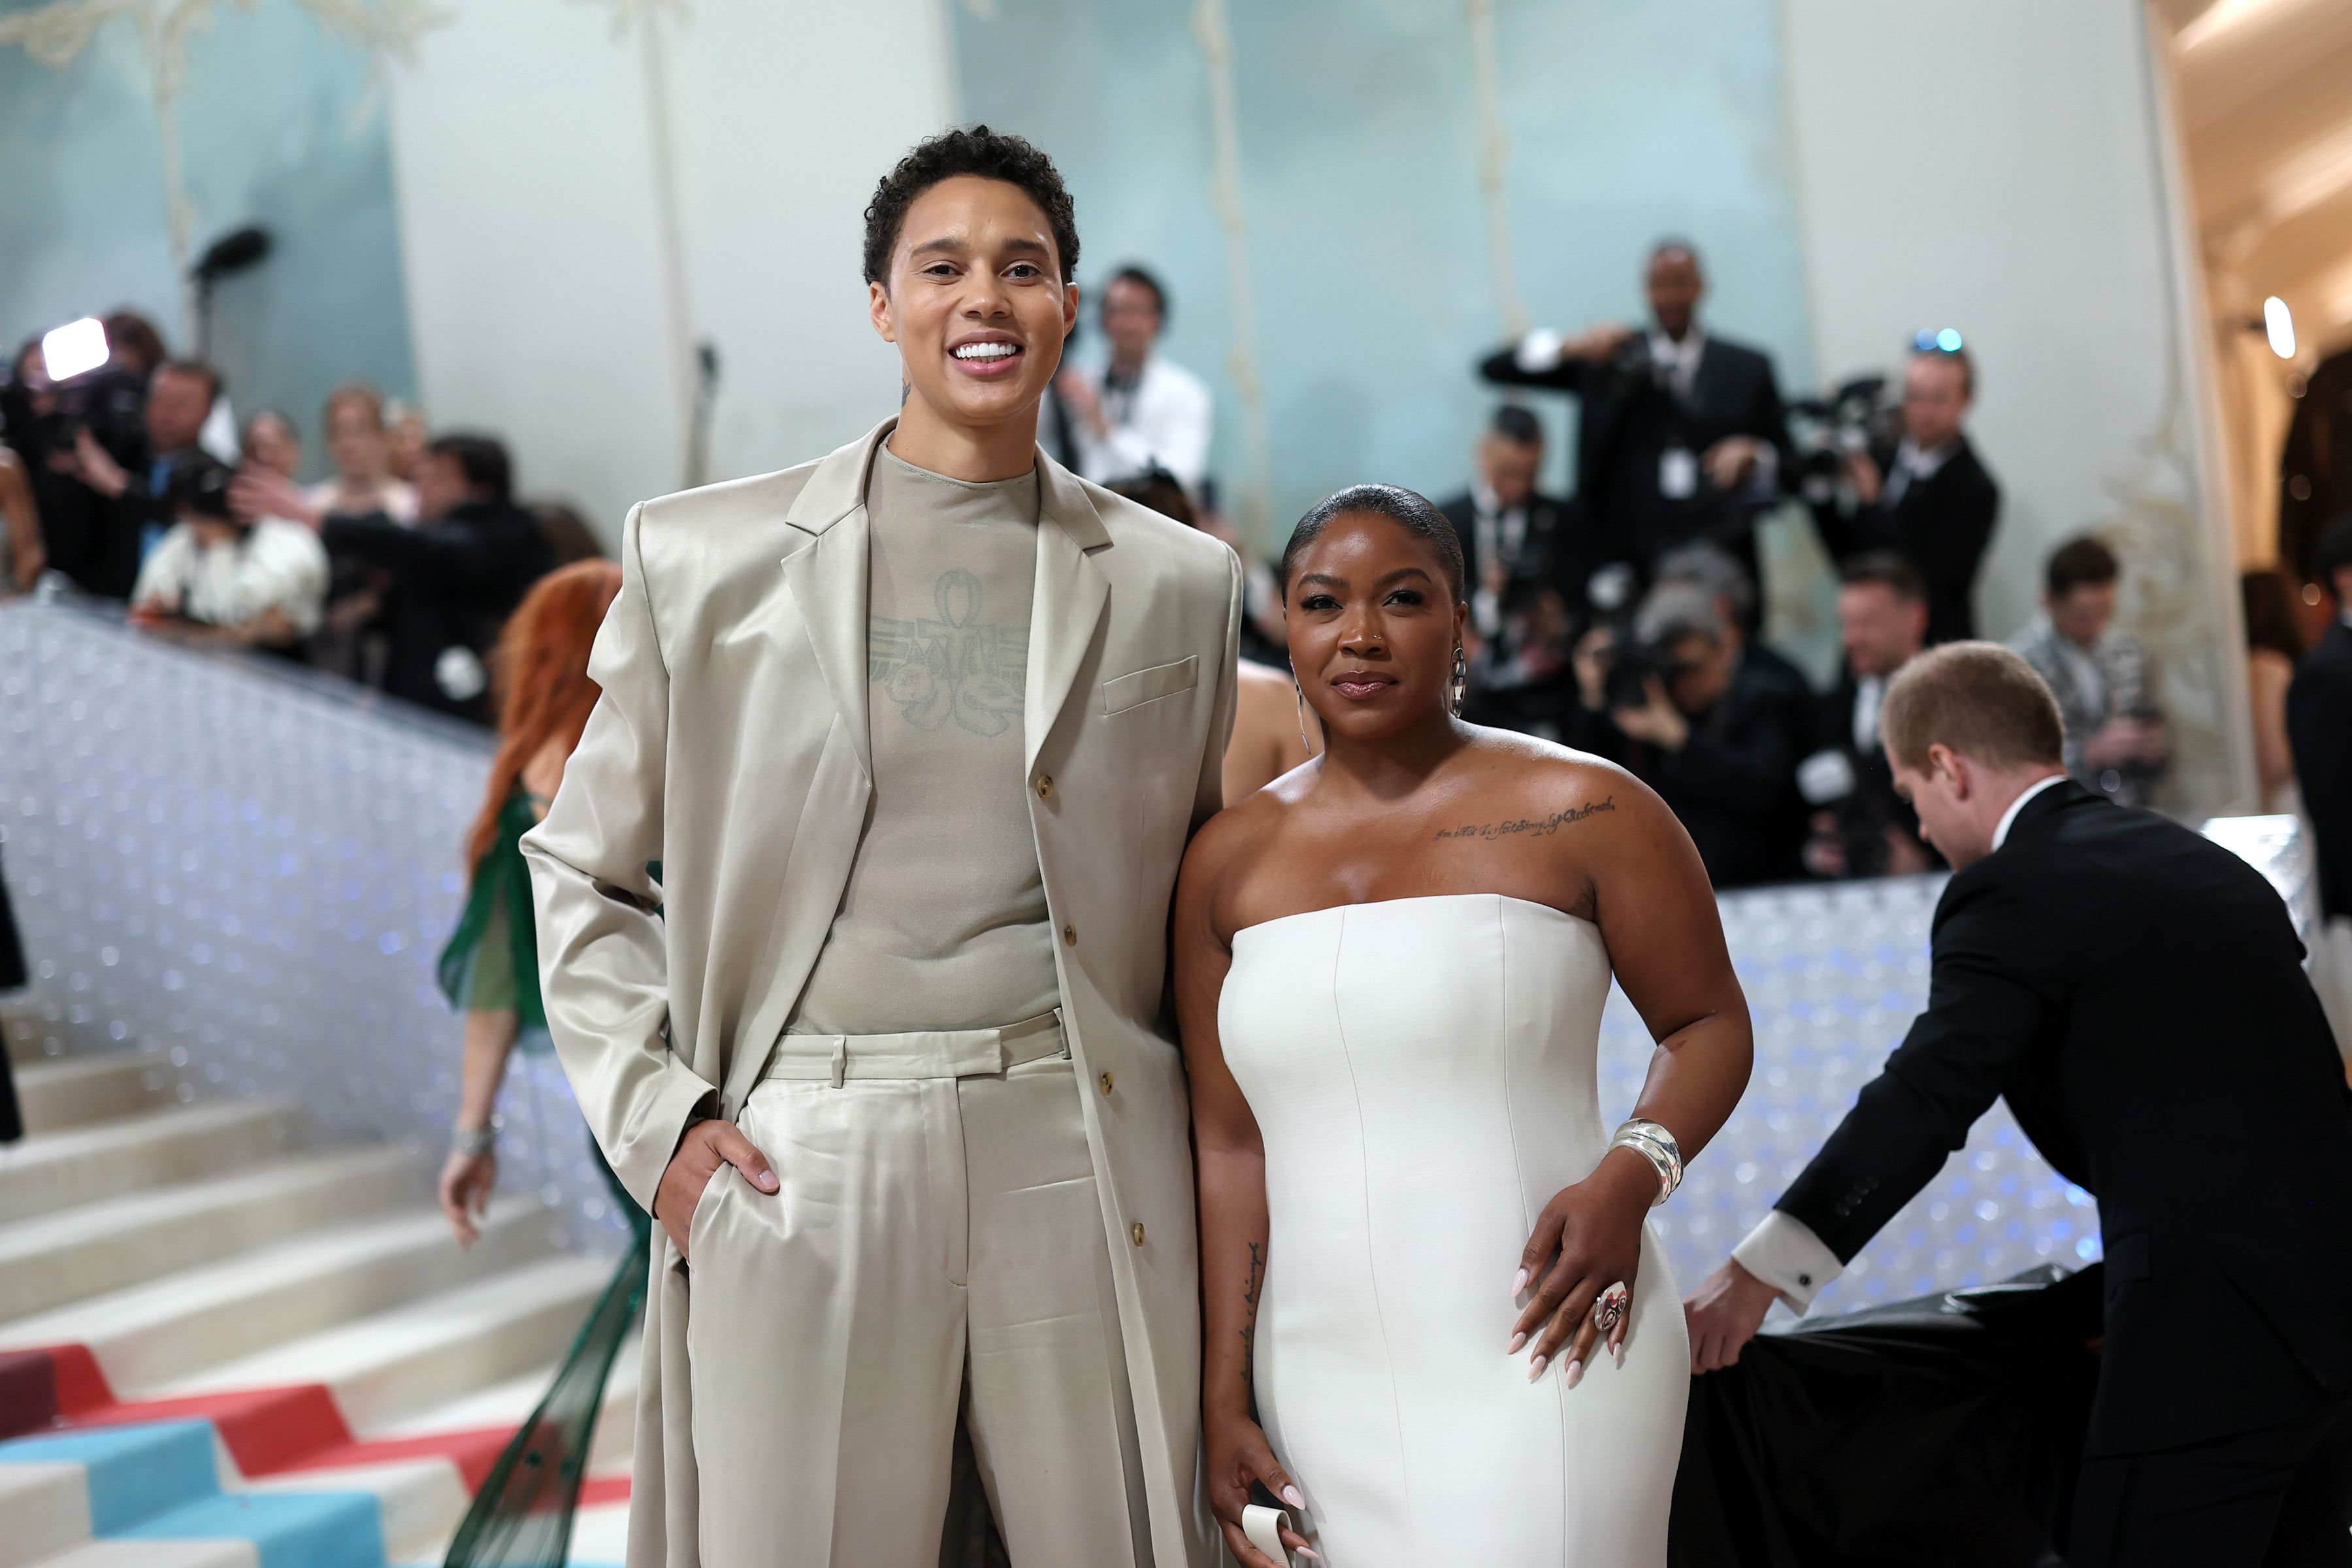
<point>1535,826</point>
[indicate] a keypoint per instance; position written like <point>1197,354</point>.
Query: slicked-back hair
<point>990,155</point>
<point>2082,562</point>
<point>1981,700</point>
<point>1408,510</point>
<point>1889,571</point>
<point>481,459</point>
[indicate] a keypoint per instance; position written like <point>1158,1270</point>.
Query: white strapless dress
<point>1423,1071</point>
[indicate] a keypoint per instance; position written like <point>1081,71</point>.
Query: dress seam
<point>1372,1255</point>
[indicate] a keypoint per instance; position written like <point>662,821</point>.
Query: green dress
<point>522,1516</point>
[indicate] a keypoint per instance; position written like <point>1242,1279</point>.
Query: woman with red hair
<point>490,968</point>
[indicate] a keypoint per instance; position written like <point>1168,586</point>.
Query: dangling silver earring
<point>1461,677</point>
<point>1302,713</point>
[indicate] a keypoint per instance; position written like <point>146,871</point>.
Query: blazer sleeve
<point>1209,793</point>
<point>1985,1011</point>
<point>603,966</point>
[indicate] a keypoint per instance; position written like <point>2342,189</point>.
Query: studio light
<point>2279,322</point>
<point>74,348</point>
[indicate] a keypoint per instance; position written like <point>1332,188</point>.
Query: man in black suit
<point>1716,734</point>
<point>127,509</point>
<point>455,577</point>
<point>1926,496</point>
<point>2319,728</point>
<point>2135,992</point>
<point>1861,827</point>
<point>1512,535</point>
<point>1682,436</point>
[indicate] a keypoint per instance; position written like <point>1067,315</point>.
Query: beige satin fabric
<point>730,744</point>
<point>935,1252</point>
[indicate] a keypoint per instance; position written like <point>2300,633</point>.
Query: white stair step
<point>510,1402</point>
<point>427,1354</point>
<point>419,1502</point>
<point>179,1325</point>
<point>50,1171</point>
<point>68,1091</point>
<point>43,1509</point>
<point>118,1242</point>
<point>130,1551</point>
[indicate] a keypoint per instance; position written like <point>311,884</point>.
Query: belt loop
<point>1063,1032</point>
<point>840,1059</point>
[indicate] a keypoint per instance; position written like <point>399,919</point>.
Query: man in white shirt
<point>1138,412</point>
<point>262,583</point>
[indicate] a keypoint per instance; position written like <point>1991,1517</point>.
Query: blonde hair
<point>1981,700</point>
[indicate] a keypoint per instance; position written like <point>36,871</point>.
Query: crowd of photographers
<point>128,477</point>
<point>1624,619</point>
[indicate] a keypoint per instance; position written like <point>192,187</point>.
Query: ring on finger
<point>1610,1310</point>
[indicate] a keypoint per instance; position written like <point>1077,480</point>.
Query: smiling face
<point>976,303</point>
<point>1373,627</point>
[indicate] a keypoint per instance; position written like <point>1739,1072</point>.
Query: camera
<point>82,389</point>
<point>1825,431</point>
<point>1613,593</point>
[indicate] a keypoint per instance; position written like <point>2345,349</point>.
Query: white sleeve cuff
<point>1785,1254</point>
<point>1539,351</point>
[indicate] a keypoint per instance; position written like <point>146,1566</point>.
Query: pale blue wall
<point>268,136</point>
<point>1367,241</point>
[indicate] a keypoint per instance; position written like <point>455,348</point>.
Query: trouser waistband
<point>927,1053</point>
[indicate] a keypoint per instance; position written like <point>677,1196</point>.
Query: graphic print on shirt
<point>957,665</point>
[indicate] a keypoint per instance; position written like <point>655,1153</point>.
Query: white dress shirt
<point>275,565</point>
<point>1869,696</point>
<point>1163,420</point>
<point>1782,1251</point>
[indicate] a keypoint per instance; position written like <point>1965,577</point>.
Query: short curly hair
<point>990,155</point>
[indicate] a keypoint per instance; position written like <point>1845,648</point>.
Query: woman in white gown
<point>1417,1239</point>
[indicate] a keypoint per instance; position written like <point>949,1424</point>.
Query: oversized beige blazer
<point>730,744</point>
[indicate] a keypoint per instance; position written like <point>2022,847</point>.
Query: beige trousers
<point>935,1250</point>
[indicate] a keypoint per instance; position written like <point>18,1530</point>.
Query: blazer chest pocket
<point>1125,692</point>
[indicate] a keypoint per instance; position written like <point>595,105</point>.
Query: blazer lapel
<point>827,577</point>
<point>1071,592</point>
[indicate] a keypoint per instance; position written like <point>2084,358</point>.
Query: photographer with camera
<point>1136,410</point>
<point>1512,535</point>
<point>1861,826</point>
<point>1919,491</point>
<point>219,578</point>
<point>1664,692</point>
<point>44,417</point>
<point>1681,436</point>
<point>132,510</point>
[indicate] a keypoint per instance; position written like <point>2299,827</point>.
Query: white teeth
<point>987,350</point>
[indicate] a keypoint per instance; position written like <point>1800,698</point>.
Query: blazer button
<point>1804,1278</point>
<point>1070,936</point>
<point>1105,1083</point>
<point>1136,1230</point>
<point>1044,786</point>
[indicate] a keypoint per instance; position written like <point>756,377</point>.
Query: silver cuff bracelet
<point>1655,1145</point>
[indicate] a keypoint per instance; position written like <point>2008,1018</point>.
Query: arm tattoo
<point>1249,1317</point>
<point>1541,828</point>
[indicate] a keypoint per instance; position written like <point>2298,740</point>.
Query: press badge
<point>1677,473</point>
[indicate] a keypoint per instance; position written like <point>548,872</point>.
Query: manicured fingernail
<point>1520,1281</point>
<point>1617,1352</point>
<point>767,1180</point>
<point>1575,1373</point>
<point>1308,1552</point>
<point>1535,1368</point>
<point>1290,1495</point>
<point>1517,1341</point>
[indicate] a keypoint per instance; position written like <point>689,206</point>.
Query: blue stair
<point>160,1482</point>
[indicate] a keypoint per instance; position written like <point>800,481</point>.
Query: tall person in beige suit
<point>917,733</point>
